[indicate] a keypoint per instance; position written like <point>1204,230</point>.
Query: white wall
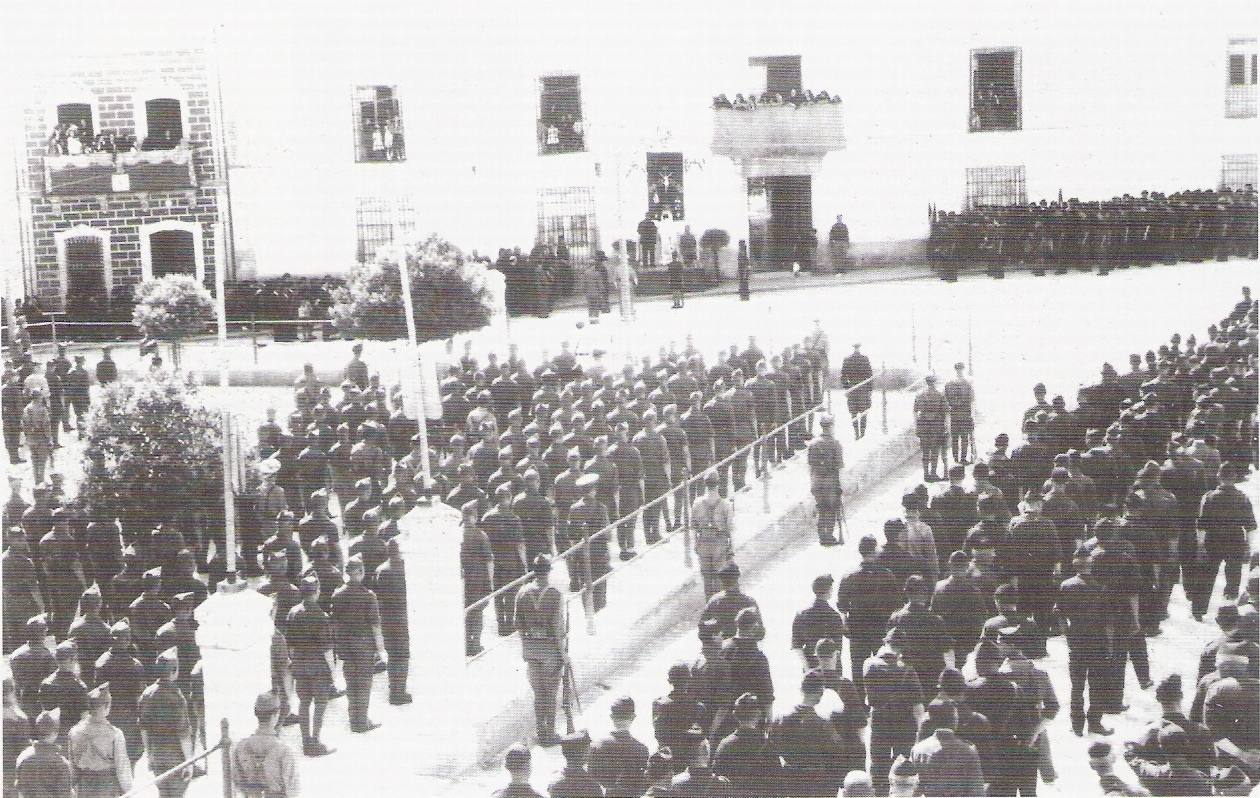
<point>1117,97</point>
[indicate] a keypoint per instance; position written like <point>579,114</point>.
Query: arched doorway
<point>85,290</point>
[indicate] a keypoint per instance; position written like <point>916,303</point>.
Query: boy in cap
<point>618,760</point>
<point>262,765</point>
<point>165,726</point>
<point>1102,760</point>
<point>42,769</point>
<point>744,756</point>
<point>64,689</point>
<point>98,751</point>
<point>575,780</point>
<point>517,764</point>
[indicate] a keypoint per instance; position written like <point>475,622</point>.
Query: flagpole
<point>413,363</point>
<point>221,266</point>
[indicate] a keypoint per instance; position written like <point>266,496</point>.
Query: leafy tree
<point>172,308</point>
<point>451,295</point>
<point>713,241</point>
<point>153,454</point>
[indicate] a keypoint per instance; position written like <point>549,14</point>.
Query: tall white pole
<point>413,363</point>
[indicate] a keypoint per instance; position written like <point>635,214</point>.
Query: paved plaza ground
<point>1014,332</point>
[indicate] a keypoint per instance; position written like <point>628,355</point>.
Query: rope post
<point>225,747</point>
<point>686,517</point>
<point>588,596</point>
<point>883,397</point>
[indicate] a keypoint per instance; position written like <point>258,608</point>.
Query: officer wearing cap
<point>1031,552</point>
<point>712,519</point>
<point>262,765</point>
<point>126,678</point>
<point>587,517</point>
<point>816,622</point>
<point>744,757</point>
<point>165,725</point>
<point>812,751</point>
<point>960,397</point>
<point>618,760</point>
<point>866,597</point>
<point>64,689</point>
<point>391,596</point>
<point>507,543</point>
<point>356,621</point>
<point>97,750</point>
<point>537,515</point>
<point>654,451</point>
<point>855,378</point>
<point>930,414</point>
<point>826,459</point>
<point>725,605</point>
<point>308,633</point>
<point>22,597</point>
<point>42,769</point>
<point>575,780</point>
<point>542,618</point>
<point>63,573</point>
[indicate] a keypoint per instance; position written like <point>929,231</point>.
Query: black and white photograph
<point>674,400</point>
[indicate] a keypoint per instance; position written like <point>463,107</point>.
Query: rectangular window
<point>1240,80</point>
<point>567,215</point>
<point>995,186</point>
<point>560,125</point>
<point>783,72</point>
<point>378,129</point>
<point>996,96</point>
<point>383,220</point>
<point>665,185</point>
<point>1238,171</point>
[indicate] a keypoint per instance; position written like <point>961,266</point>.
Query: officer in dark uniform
<point>1082,607</point>
<point>960,397</point>
<point>826,459</point>
<point>654,453</point>
<point>855,373</point>
<point>356,622</point>
<point>165,725</point>
<point>810,748</point>
<point>1225,520</point>
<point>537,515</point>
<point>629,462</point>
<point>126,678</point>
<point>308,633</point>
<point>30,663</point>
<point>43,769</point>
<point>957,508</point>
<point>699,429</point>
<point>930,413</point>
<point>818,621</point>
<point>391,596</point>
<point>680,466</point>
<point>64,689</point>
<point>745,756</point>
<point>866,598</point>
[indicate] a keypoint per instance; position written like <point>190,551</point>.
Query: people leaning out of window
<point>794,98</point>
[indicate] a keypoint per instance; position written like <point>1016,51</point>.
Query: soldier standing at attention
<point>544,625</point>
<point>855,373</point>
<point>391,595</point>
<point>959,396</point>
<point>309,639</point>
<point>263,766</point>
<point>503,530</point>
<point>98,751</point>
<point>476,563</point>
<point>930,412</point>
<point>42,770</point>
<point>586,518</point>
<point>654,451</point>
<point>356,621</point>
<point>711,516</point>
<point>125,675</point>
<point>826,459</point>
<point>165,726</point>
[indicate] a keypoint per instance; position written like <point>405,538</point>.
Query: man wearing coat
<point>826,458</point>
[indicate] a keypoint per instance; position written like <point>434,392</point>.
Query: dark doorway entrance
<point>780,220</point>
<point>171,252</point>
<point>166,125</point>
<point>85,278</point>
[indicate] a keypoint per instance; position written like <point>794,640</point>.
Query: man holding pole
<point>543,622</point>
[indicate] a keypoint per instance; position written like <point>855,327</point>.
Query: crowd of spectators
<point>793,98</point>
<point>286,298</point>
<point>69,138</point>
<point>1124,231</point>
<point>1081,530</point>
<point>533,282</point>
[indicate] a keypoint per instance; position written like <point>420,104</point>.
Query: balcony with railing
<point>115,173</point>
<point>775,130</point>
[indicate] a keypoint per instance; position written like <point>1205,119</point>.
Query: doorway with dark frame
<point>780,221</point>
<point>171,252</point>
<point>86,292</point>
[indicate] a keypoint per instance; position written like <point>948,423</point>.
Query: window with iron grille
<point>996,96</point>
<point>1240,85</point>
<point>1238,171</point>
<point>568,215</point>
<point>378,129</point>
<point>990,186</point>
<point>382,220</point>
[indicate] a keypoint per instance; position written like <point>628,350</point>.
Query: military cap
<point>1002,440</point>
<point>575,744</point>
<point>514,414</point>
<point>695,735</point>
<point>729,571</point>
<point>1168,687</point>
<point>417,438</point>
<point>903,769</point>
<point>1150,469</point>
<point>355,560</point>
<point>39,622</point>
<point>319,494</point>
<point>542,564</point>
<point>1227,614</point>
<point>951,681</point>
<point>363,483</point>
<point>660,763</point>
<point>588,481</point>
<point>1173,740</point>
<point>120,628</point>
<point>372,514</point>
<point>622,707</point>
<point>41,488</point>
<point>456,439</point>
<point>266,703</point>
<point>92,593</point>
<point>930,379</point>
<point>1032,495</point>
<point>1004,594</point>
<point>1059,474</point>
<point>48,722</point>
<point>168,657</point>
<point>957,472</point>
<point>679,673</point>
<point>66,650</point>
<point>530,472</point>
<point>464,468</point>
<point>980,470</point>
<point>826,421</point>
<point>181,600</point>
<point>153,574</point>
<point>711,479</point>
<point>483,396</point>
<point>823,582</point>
<point>469,506</point>
<point>269,466</point>
<point>99,696</point>
<point>670,408</point>
<point>825,648</point>
<point>708,628</point>
<point>574,453</point>
<point>309,585</point>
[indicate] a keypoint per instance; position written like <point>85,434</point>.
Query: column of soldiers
<point>1115,234</point>
<point>559,452</point>
<point>1071,534</point>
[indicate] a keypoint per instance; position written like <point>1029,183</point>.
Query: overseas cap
<point>266,703</point>
<point>99,696</point>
